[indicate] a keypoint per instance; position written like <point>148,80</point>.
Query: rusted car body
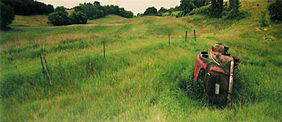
<point>215,68</point>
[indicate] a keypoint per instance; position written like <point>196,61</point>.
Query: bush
<point>202,10</point>
<point>275,11</point>
<point>7,15</point>
<point>78,17</point>
<point>187,6</point>
<point>60,8</point>
<point>233,11</point>
<point>92,11</point>
<point>151,11</point>
<point>200,3</point>
<point>124,13</point>
<point>162,11</point>
<point>180,14</point>
<point>59,18</point>
<point>216,8</point>
<point>29,7</point>
<point>264,20</point>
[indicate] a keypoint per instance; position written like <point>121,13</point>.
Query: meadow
<point>140,77</point>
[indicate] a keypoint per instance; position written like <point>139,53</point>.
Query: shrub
<point>187,6</point>
<point>60,8</point>
<point>78,17</point>
<point>92,11</point>
<point>151,11</point>
<point>216,8</point>
<point>263,20</point>
<point>202,10</point>
<point>233,11</point>
<point>275,11</point>
<point>200,3</point>
<point>124,13</point>
<point>180,14</point>
<point>7,15</point>
<point>29,7</point>
<point>59,18</point>
<point>162,11</point>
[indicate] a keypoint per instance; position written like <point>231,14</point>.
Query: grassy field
<point>140,76</point>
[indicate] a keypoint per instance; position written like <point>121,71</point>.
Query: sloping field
<point>140,76</point>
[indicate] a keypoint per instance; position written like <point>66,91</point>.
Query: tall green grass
<point>142,77</point>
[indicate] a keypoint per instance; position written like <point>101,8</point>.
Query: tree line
<point>84,12</point>
<point>81,13</point>
<point>10,8</point>
<point>28,7</point>
<point>213,8</point>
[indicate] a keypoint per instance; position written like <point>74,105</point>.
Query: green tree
<point>234,11</point>
<point>29,7</point>
<point>162,11</point>
<point>275,10</point>
<point>7,15</point>
<point>216,8</point>
<point>60,8</point>
<point>59,17</point>
<point>199,3</point>
<point>151,11</point>
<point>187,6</point>
<point>78,17</point>
<point>92,11</point>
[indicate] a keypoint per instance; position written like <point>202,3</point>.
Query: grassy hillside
<point>140,76</point>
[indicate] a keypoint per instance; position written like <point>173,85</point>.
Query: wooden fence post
<point>186,36</point>
<point>45,69</point>
<point>169,38</point>
<point>104,49</point>
<point>195,35</point>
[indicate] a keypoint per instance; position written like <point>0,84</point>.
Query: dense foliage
<point>187,6</point>
<point>233,10</point>
<point>29,7</point>
<point>216,8</point>
<point>162,11</point>
<point>7,15</point>
<point>275,11</point>
<point>151,11</point>
<point>95,10</point>
<point>59,17</point>
<point>92,11</point>
<point>113,9</point>
<point>78,17</point>
<point>200,3</point>
<point>264,20</point>
<point>204,10</point>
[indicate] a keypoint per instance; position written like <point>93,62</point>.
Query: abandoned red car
<point>215,68</point>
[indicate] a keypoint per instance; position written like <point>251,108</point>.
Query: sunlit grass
<point>140,76</point>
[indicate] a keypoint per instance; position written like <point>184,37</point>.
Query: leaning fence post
<point>44,65</point>
<point>185,36</point>
<point>195,35</point>
<point>47,71</point>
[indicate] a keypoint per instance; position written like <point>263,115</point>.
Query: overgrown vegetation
<point>59,17</point>
<point>95,10</point>
<point>7,15</point>
<point>85,11</point>
<point>139,78</point>
<point>275,11</point>
<point>264,20</point>
<point>151,11</point>
<point>29,7</point>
